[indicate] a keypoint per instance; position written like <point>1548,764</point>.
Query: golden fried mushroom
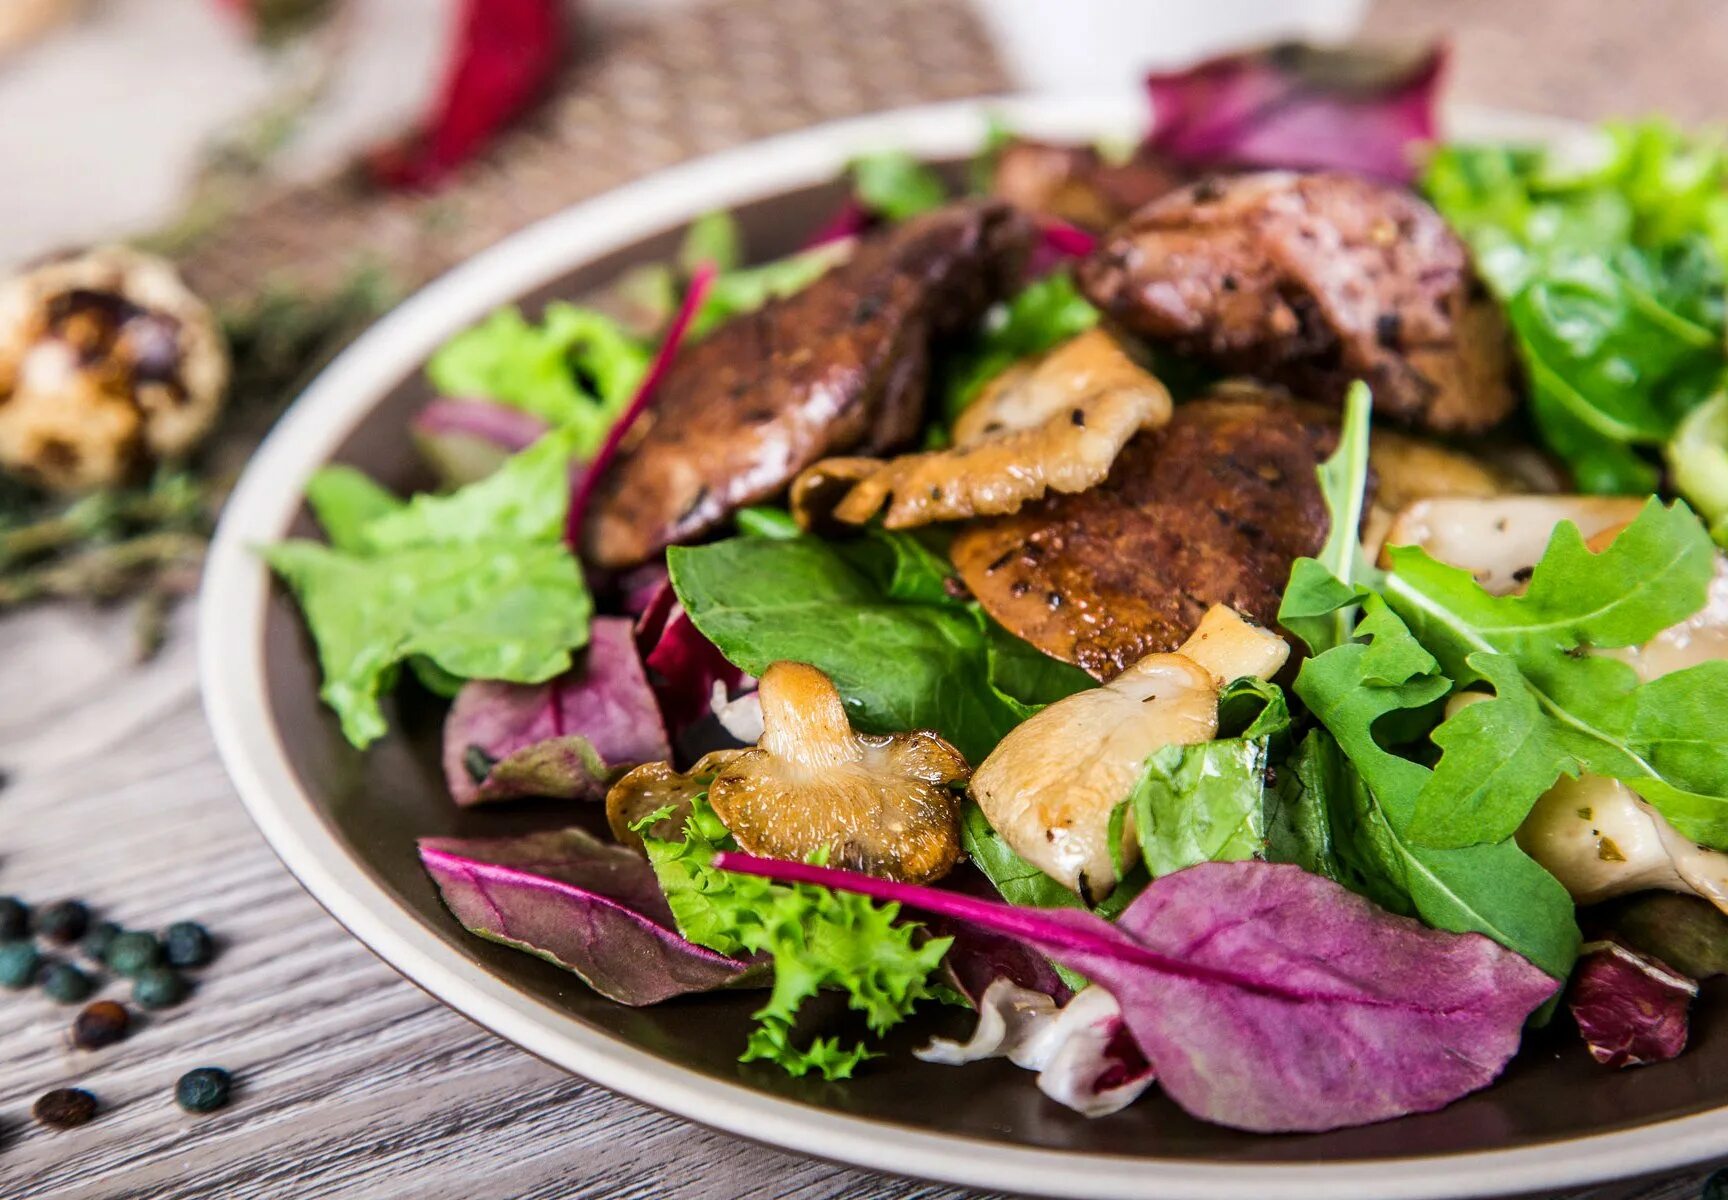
<point>877,803</point>
<point>1053,425</point>
<point>1050,786</point>
<point>108,364</point>
<point>653,786</point>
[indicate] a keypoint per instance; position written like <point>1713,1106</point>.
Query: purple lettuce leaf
<point>1266,998</point>
<point>978,958</point>
<point>466,440</point>
<point>642,590</point>
<point>1299,107</point>
<point>1632,1009</point>
<point>587,906</point>
<point>564,739</point>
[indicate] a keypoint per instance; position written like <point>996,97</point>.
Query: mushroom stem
<point>803,718</point>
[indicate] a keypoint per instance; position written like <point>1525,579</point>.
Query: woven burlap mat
<point>681,84</point>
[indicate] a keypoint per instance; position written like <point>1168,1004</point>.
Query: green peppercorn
<point>65,1108</point>
<point>159,987</point>
<point>131,953</point>
<point>19,962</point>
<point>101,936</point>
<point>14,919</point>
<point>63,922</point>
<point>101,1024</point>
<point>65,983</point>
<point>204,1090</point>
<point>188,944</point>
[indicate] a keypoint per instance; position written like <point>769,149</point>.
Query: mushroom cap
<point>878,803</point>
<point>1050,786</point>
<point>656,785</point>
<point>107,364</point>
<point>1054,425</point>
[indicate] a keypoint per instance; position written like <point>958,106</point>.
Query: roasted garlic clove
<point>878,803</point>
<point>108,364</point>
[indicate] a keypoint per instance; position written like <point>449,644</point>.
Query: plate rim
<point>231,620</point>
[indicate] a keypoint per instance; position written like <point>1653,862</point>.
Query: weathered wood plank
<point>352,1083</point>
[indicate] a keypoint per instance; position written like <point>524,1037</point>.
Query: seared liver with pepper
<point>1313,281</point>
<point>840,366</point>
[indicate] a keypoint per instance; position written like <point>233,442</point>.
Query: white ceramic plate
<point>231,646</point>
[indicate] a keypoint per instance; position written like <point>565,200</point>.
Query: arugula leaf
<point>873,615</point>
<point>577,368</point>
<point>1611,273</point>
<point>1697,457</point>
<point>713,237</point>
<point>817,939</point>
<point>1015,880</point>
<point>1559,707</point>
<point>1319,603</point>
<point>1044,313</point>
<point>894,185</point>
<point>476,584</point>
<point>1493,888</point>
<point>746,289</point>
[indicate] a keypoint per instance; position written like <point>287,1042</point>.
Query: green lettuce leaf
<point>1559,707</point>
<point>576,369</point>
<point>1210,802</point>
<point>876,617</point>
<point>818,939</point>
<point>476,584</point>
<point>1611,271</point>
<point>894,185</point>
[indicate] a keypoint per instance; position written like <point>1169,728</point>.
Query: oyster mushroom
<point>1055,425</point>
<point>1498,539</point>
<point>1051,785</point>
<point>653,786</point>
<point>1600,841</point>
<point>878,803</point>
<point>108,364</point>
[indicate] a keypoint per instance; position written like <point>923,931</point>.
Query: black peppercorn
<point>65,1108</point>
<point>187,944</point>
<point>14,919</point>
<point>132,953</point>
<point>101,1024</point>
<point>63,922</point>
<point>204,1090</point>
<point>65,983</point>
<point>96,943</point>
<point>19,962</point>
<point>159,987</point>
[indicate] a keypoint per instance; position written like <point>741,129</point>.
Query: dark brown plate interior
<point>378,803</point>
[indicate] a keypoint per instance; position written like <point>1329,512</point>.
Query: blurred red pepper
<point>505,54</point>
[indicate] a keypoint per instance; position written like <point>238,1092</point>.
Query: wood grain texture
<point>351,1083</point>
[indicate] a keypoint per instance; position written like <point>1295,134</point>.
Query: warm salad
<point>1240,611</point>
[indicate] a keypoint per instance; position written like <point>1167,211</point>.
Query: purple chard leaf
<point>466,440</point>
<point>565,739</point>
<point>580,903</point>
<point>1267,998</point>
<point>1299,107</point>
<point>1631,1008</point>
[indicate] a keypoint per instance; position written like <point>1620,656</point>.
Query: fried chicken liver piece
<point>1211,509</point>
<point>839,366</point>
<point>1314,280</point>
